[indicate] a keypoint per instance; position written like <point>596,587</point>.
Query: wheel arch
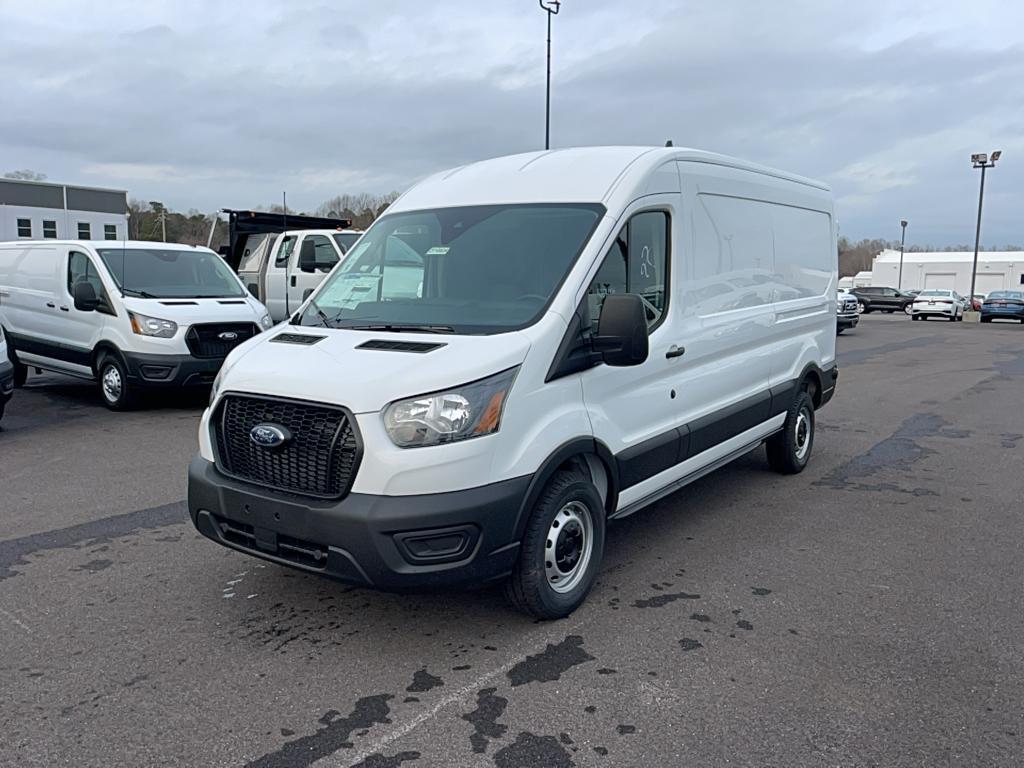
<point>583,453</point>
<point>102,348</point>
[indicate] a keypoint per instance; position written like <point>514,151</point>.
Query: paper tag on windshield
<point>438,250</point>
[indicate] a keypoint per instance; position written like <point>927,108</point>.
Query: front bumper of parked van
<point>462,538</point>
<point>171,370</point>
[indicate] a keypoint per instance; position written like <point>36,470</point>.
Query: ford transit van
<point>519,351</point>
<point>131,315</point>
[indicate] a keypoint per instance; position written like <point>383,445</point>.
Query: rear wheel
<point>118,394</point>
<point>862,308</point>
<point>20,371</point>
<point>790,450</point>
<point>908,309</point>
<point>561,551</point>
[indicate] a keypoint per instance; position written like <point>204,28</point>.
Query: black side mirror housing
<point>307,256</point>
<point>622,331</point>
<point>86,299</point>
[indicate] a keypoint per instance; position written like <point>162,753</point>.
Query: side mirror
<point>85,297</point>
<point>307,256</point>
<point>622,330</point>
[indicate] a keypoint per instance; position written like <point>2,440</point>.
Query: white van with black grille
<point>131,315</point>
<point>519,351</point>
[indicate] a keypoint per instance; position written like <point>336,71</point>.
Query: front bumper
<point>6,380</point>
<point>394,543</point>
<point>847,321</point>
<point>171,370</point>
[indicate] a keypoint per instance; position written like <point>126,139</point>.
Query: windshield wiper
<point>400,327</point>
<point>140,294</point>
<point>324,319</point>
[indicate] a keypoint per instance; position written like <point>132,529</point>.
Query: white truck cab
<point>273,269</point>
<point>130,314</point>
<point>518,351</point>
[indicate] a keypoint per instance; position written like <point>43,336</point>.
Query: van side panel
<point>28,282</point>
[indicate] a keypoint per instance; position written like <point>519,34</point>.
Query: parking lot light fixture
<point>982,161</point>
<point>903,242</point>
<point>551,8</point>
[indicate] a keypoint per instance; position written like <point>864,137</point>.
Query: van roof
<point>577,174</point>
<point>105,244</point>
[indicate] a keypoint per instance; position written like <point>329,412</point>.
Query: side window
<point>890,292</point>
<point>325,253</point>
<point>636,263</point>
<point>82,270</point>
<point>287,246</point>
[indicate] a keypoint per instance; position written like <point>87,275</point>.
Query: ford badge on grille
<point>227,336</point>
<point>269,435</point>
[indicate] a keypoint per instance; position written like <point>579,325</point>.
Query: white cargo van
<point>6,374</point>
<point>283,269</point>
<point>129,314</point>
<point>517,352</point>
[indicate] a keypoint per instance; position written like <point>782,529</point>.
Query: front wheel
<point>908,309</point>
<point>790,450</point>
<point>118,394</point>
<point>862,308</point>
<point>561,551</point>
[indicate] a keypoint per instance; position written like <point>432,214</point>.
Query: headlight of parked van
<point>472,410</point>
<point>152,326</point>
<point>266,323</point>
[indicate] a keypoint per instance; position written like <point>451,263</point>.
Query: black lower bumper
<point>171,370</point>
<point>6,380</point>
<point>830,377</point>
<point>845,323</point>
<point>1003,315</point>
<point>388,542</point>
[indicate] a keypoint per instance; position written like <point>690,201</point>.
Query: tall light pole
<point>903,242</point>
<point>980,161</point>
<point>550,7</point>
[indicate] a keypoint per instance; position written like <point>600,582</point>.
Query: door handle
<point>51,305</point>
<point>64,309</point>
<point>294,281</point>
<point>675,351</point>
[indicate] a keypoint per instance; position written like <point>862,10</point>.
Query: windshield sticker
<point>438,250</point>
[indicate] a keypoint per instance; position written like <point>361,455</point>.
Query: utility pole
<point>903,241</point>
<point>550,7</point>
<point>980,161</point>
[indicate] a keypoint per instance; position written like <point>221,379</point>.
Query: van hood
<point>351,368</point>
<point>241,309</point>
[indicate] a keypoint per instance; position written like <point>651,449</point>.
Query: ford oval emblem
<point>269,435</point>
<point>227,336</point>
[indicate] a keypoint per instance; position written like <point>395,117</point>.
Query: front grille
<point>319,458</point>
<point>205,340</point>
<point>307,553</point>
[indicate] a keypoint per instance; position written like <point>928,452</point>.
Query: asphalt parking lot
<point>867,612</point>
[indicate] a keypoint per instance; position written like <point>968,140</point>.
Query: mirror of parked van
<point>307,256</point>
<point>622,330</point>
<point>86,299</point>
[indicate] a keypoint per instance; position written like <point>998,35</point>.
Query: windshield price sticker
<point>438,250</point>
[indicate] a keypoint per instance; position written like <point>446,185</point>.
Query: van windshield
<point>473,270</point>
<point>161,273</point>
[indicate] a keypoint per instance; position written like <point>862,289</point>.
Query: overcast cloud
<point>212,105</point>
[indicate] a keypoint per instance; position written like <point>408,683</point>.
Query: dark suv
<point>874,298</point>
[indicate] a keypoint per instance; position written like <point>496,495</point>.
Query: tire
<point>117,393</point>
<point>908,308</point>
<point>569,519</point>
<point>952,318</point>
<point>989,320</point>
<point>915,317</point>
<point>790,450</point>
<point>862,308</point>
<point>839,331</point>
<point>20,371</point>
<point>890,311</point>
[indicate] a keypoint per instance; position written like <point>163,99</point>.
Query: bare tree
<point>25,175</point>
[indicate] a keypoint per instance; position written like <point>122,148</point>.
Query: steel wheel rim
<point>112,384</point>
<point>802,434</point>
<point>569,547</point>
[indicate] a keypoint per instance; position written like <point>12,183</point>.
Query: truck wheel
<point>862,308</point>
<point>790,450</point>
<point>561,551</point>
<point>909,309</point>
<point>118,394</point>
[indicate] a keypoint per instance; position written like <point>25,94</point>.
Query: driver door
<point>301,284</point>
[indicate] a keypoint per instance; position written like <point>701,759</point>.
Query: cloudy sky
<point>209,105</point>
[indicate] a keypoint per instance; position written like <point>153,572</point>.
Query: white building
<point>997,270</point>
<point>37,209</point>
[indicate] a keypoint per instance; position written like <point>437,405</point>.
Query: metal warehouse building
<point>997,270</point>
<point>37,209</point>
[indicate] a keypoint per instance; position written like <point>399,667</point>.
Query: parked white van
<point>129,314</point>
<point>517,352</point>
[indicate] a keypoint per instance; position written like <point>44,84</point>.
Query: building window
<point>84,231</point>
<point>110,232</point>
<point>49,229</point>
<point>24,227</point>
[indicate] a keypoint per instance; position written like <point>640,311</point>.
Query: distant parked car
<point>938,303</point>
<point>874,298</point>
<point>979,299</point>
<point>846,312</point>
<point>1003,305</point>
<point>914,292</point>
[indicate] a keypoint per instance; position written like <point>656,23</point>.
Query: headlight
<point>216,385</point>
<point>266,323</point>
<point>152,326</point>
<point>472,410</point>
